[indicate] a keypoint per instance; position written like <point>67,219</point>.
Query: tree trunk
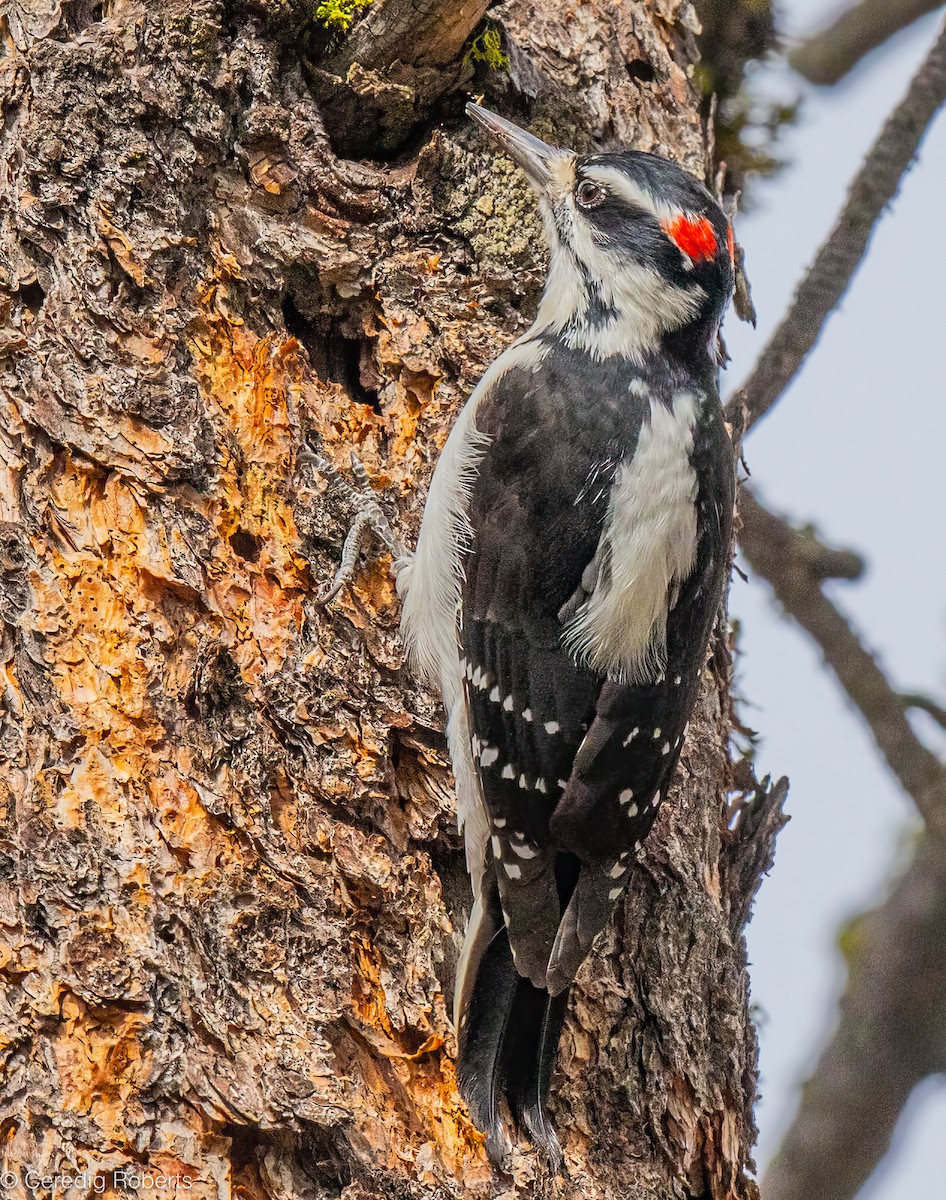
<point>232,886</point>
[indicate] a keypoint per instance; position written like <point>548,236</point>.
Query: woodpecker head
<point>641,252</point>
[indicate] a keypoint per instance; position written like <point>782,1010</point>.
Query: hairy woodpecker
<point>570,565</point>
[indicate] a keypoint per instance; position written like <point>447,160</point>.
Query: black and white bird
<point>569,570</point>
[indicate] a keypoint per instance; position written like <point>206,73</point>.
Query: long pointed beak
<point>535,157</point>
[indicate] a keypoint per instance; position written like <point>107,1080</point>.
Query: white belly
<point>648,548</point>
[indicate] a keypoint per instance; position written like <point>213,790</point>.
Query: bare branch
<point>830,54</point>
<point>796,565</point>
<point>891,1035</point>
<point>891,1032</point>
<point>873,188</point>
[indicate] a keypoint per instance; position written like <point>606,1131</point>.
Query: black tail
<point>508,1032</point>
<point>531,1042</point>
<point>487,982</point>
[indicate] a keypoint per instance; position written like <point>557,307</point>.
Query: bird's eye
<point>590,195</point>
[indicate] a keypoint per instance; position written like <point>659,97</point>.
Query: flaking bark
<point>232,889</point>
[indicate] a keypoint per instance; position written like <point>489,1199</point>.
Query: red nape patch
<point>695,236</point>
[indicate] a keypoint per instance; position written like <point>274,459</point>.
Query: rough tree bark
<point>232,889</point>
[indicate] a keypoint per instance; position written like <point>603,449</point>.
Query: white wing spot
<point>497,847</point>
<point>633,811</point>
<point>523,782</point>
<point>676,680</point>
<point>617,871</point>
<point>540,785</point>
<point>656,800</point>
<point>552,727</point>
<point>494,695</point>
<point>657,733</point>
<point>525,851</point>
<point>666,748</point>
<point>513,870</point>
<point>500,822</point>
<point>632,735</point>
<point>527,714</point>
<point>507,704</point>
<point>489,756</point>
<point>477,677</point>
<point>612,895</point>
<point>508,772</point>
<point>626,796</point>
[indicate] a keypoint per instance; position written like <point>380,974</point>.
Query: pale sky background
<point>855,446</point>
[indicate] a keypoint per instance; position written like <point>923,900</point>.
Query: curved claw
<point>369,518</point>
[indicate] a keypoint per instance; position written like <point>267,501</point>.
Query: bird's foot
<point>369,519</point>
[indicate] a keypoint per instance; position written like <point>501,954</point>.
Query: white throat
<point>642,307</point>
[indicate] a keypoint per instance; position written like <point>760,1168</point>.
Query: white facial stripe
<point>628,190</point>
<point>634,193</point>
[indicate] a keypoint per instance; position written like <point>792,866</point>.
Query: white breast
<point>648,546</point>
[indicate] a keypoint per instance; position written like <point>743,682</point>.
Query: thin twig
<point>830,54</point>
<point>819,292</point>
<point>924,704</point>
<point>795,564</point>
